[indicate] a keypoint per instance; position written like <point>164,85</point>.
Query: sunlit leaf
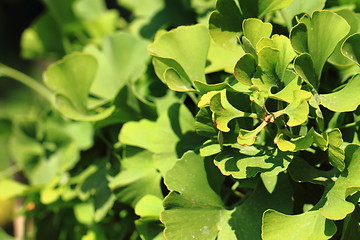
<point>308,225</point>
<point>344,100</point>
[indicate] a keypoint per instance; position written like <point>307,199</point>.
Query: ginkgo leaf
<point>185,67</point>
<point>350,48</point>
<point>318,35</point>
<point>298,110</point>
<point>334,205</point>
<point>240,165</point>
<point>71,79</point>
<point>308,225</point>
<point>225,23</point>
<point>344,100</point>
<point>224,112</point>
<point>335,152</point>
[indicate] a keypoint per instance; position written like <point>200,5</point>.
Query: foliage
<point>189,120</point>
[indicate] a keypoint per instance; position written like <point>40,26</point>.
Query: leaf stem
<point>349,125</point>
<point>26,80</point>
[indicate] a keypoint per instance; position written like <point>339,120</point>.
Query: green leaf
<point>319,35</point>
<point>84,212</point>
<point>255,30</point>
<point>287,93</point>
<point>245,165</point>
<point>121,60</point>
<point>298,110</point>
<point>309,173</point>
<point>245,69</point>
<point>304,67</point>
<point>183,65</point>
<point>10,188</point>
<point>41,39</point>
<point>204,125</point>
<point>300,6</point>
<point>246,218</point>
<point>193,209</point>
<point>308,225</point>
<point>71,79</point>
<point>224,112</point>
<point>225,23</point>
<point>169,128</point>
<point>344,100</point>
<point>296,144</point>
<point>209,148</point>
<point>139,176</point>
<point>96,19</point>
<point>220,58</point>
<point>286,52</point>
<point>334,205</point>
<point>94,184</point>
<point>351,49</point>
<point>352,19</point>
<point>335,152</point>
<point>268,60</point>
<point>149,206</point>
<point>247,137</point>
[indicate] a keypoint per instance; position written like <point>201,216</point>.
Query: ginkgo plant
<point>232,120</point>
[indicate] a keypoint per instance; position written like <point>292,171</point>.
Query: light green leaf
<point>269,181</point>
<point>94,184</point>
<point>224,112</point>
<point>296,144</point>
<point>193,209</point>
<point>338,57</point>
<point>247,137</point>
<point>287,93</point>
<point>138,177</point>
<point>319,35</point>
<point>71,79</point>
<point>185,67</point>
<point>204,125</point>
<point>309,173</point>
<point>149,206</point>
<point>300,6</point>
<point>245,69</point>
<point>220,58</point>
<point>10,188</point>
<point>286,52</point>
<point>298,110</point>
<point>335,152</point>
<point>84,212</point>
<point>225,23</point>
<point>351,49</point>
<point>344,100</point>
<point>268,60</point>
<point>41,39</point>
<point>304,67</point>
<point>96,19</point>
<point>244,165</point>
<point>169,128</point>
<point>333,205</point>
<point>255,30</point>
<point>308,225</point>
<point>121,60</point>
<point>209,148</point>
